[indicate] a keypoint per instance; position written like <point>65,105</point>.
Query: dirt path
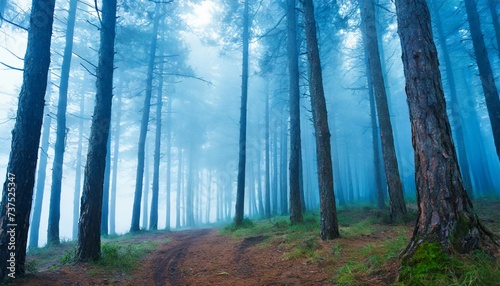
<point>196,257</point>
<point>203,257</point>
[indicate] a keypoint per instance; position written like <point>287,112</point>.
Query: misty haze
<point>243,142</point>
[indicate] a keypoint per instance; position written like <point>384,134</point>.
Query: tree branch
<point>12,23</point>
<point>11,67</point>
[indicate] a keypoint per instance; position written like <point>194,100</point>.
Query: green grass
<point>429,265</point>
<point>370,247</point>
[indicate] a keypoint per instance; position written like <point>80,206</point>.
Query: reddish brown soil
<point>204,257</point>
<point>197,257</point>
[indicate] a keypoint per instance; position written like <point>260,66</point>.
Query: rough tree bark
<point>485,72</point>
<point>329,222</point>
<point>139,179</point>
<point>89,238</point>
<point>398,207</point>
<point>41,175</point>
<point>105,189</point>
<point>445,212</point>
<point>20,177</point>
<point>295,144</point>
<point>57,167</point>
<point>240,192</point>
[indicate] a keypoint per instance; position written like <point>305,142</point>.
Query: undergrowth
<point>369,250</point>
<point>429,265</point>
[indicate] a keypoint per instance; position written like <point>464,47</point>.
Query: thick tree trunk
<point>295,144</point>
<point>453,105</point>
<point>17,192</point>
<point>398,207</point>
<point>329,223</point>
<point>240,191</point>
<point>89,239</point>
<point>445,212</point>
<point>485,72</point>
<point>105,190</point>
<point>153,219</point>
<point>41,175</point>
<point>116,154</point>
<point>57,167</point>
<point>136,209</point>
<point>78,172</point>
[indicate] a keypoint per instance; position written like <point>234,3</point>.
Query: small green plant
<point>68,257</point>
<point>31,266</point>
<point>119,258</point>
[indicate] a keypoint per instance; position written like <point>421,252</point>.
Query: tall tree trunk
<point>169,160</point>
<point>283,171</point>
<point>259,186</point>
<point>453,104</point>
<point>379,192</point>
<point>329,223</point>
<point>445,212</point>
<point>267,200</point>
<point>274,191</point>
<point>485,72</point>
<point>492,5</point>
<point>339,190</point>
<point>105,190</point>
<point>190,186</point>
<point>57,167</point>
<point>145,198</point>
<point>240,192</point>
<point>479,159</point>
<point>78,172</point>
<point>89,239</point>
<point>136,210</point>
<point>178,195</point>
<point>398,207</point>
<point>153,219</point>
<point>295,144</point>
<point>17,192</point>
<point>116,153</point>
<point>41,174</point>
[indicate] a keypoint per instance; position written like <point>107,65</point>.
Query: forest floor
<point>266,252</point>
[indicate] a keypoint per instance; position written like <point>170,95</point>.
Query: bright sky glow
<point>202,14</point>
